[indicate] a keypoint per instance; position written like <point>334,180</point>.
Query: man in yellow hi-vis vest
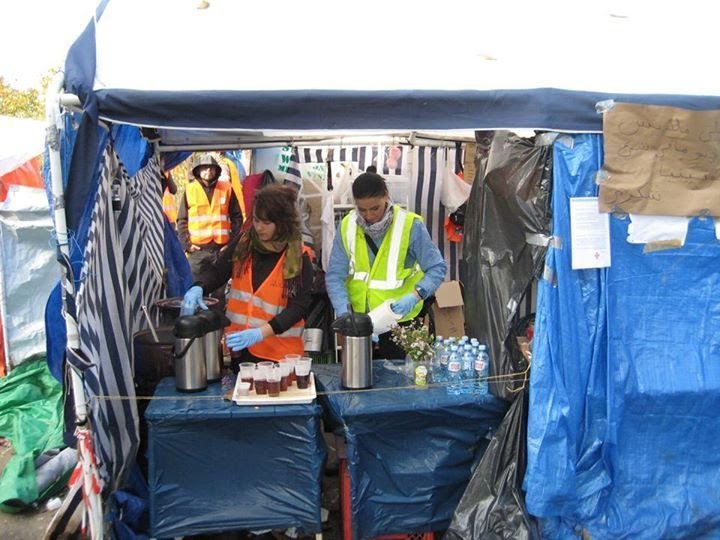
<point>382,252</point>
<point>209,217</point>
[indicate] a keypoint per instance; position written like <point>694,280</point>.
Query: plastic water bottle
<point>482,369</point>
<point>435,365</point>
<point>468,369</point>
<point>442,374</point>
<point>454,372</point>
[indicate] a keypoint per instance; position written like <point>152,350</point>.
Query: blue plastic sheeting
<point>216,466</point>
<point>409,450</point>
<point>625,382</point>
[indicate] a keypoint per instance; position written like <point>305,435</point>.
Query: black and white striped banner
<point>122,271</point>
<point>430,164</point>
<point>364,156</point>
<point>389,159</point>
<point>313,154</point>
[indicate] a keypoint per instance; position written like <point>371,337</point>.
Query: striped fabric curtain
<point>122,270</point>
<point>429,166</point>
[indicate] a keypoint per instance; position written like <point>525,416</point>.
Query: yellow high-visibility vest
<point>388,278</point>
<point>208,221</point>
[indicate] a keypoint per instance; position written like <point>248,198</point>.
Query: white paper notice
<point>590,234</point>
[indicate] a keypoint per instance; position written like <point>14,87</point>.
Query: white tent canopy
<point>249,67</point>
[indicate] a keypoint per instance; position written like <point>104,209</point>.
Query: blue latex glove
<point>403,306</point>
<point>237,341</point>
<point>192,300</point>
<point>375,338</point>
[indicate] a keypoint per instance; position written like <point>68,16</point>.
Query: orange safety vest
<point>235,182</point>
<point>208,221</point>
<point>252,309</point>
<point>169,207</point>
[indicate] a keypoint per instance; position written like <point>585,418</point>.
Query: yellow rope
<point>511,377</point>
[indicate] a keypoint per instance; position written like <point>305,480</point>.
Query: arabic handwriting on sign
<point>619,198</point>
<point>685,176</point>
<point>670,126</point>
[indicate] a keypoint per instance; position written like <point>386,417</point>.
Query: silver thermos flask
<point>212,341</point>
<point>189,354</point>
<point>354,332</point>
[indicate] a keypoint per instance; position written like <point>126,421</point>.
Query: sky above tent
<point>36,35</point>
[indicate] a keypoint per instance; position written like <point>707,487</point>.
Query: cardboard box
<point>448,310</point>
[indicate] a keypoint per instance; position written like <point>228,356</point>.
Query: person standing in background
<point>209,218</point>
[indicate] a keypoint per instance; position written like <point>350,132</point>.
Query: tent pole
<point>53,135</point>
<point>338,141</point>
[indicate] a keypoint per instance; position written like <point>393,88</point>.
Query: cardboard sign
<point>661,161</point>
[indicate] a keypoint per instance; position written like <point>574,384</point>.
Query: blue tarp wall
<point>625,387</point>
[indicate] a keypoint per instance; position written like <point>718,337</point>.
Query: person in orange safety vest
<point>209,217</point>
<point>272,276</point>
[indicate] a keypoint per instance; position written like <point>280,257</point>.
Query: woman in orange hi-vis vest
<point>272,276</point>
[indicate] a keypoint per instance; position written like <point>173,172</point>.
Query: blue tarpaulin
<point>625,382</point>
<point>410,450</point>
<point>214,465</point>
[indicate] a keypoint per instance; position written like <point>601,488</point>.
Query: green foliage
<point>28,103</point>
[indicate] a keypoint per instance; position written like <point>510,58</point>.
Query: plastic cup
<point>274,375</point>
<point>247,373</point>
<point>285,369</point>
<point>241,389</point>
<point>260,381</point>
<point>302,372</point>
<point>291,359</point>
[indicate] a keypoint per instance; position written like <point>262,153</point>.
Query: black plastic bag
<point>506,222</point>
<point>493,505</point>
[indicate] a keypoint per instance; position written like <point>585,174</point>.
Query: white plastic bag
<point>455,191</point>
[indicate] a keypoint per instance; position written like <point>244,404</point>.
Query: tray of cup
<point>246,393</point>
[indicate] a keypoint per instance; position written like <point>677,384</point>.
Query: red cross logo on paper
<point>597,255</point>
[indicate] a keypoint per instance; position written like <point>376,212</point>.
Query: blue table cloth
<point>410,450</point>
<point>216,466</point>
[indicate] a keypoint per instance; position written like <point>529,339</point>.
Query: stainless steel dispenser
<point>189,354</point>
<point>354,332</point>
<point>212,342</point>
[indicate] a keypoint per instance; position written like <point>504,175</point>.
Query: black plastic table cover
<point>216,466</point>
<point>410,450</point>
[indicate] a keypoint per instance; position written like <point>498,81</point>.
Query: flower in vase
<point>415,340</point>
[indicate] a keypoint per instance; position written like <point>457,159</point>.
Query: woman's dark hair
<point>277,203</point>
<point>368,185</point>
